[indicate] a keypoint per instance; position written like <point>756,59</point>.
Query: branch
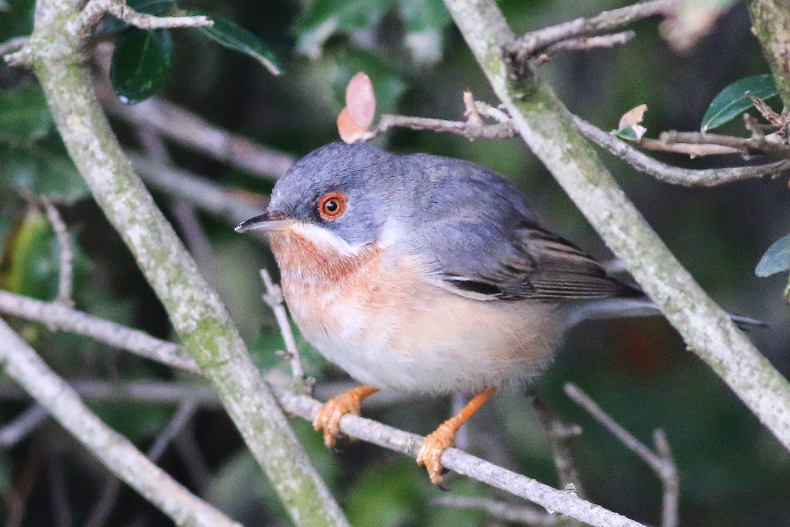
<point>67,319</point>
<point>558,434</point>
<point>117,453</point>
<point>662,465</point>
<point>22,425</point>
<point>196,312</point>
<point>12,45</point>
<point>546,127</point>
<point>509,512</point>
<point>670,174</point>
<point>533,42</point>
<point>94,10</point>
<point>554,500</point>
<point>139,392</point>
<point>233,206</point>
<point>274,299</point>
<point>467,129</point>
<point>186,128</point>
<point>365,429</point>
<point>66,278</point>
<point>750,146</point>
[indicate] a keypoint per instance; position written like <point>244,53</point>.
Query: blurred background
<point>732,471</point>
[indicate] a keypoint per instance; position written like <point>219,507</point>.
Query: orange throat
<point>318,265</point>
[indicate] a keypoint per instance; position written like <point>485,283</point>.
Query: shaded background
<point>733,472</point>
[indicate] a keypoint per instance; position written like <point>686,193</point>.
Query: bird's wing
<point>528,262</point>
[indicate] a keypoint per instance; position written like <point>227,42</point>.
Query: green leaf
<point>776,259</point>
<point>141,63</point>
<point>733,100</point>
<point>24,113</point>
<point>239,39</point>
<point>627,134</point>
<point>324,18</point>
<point>45,171</point>
<point>32,266</point>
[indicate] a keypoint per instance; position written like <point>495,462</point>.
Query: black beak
<point>268,221</point>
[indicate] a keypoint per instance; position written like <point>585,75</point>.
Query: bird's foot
<point>435,444</point>
<point>329,415</point>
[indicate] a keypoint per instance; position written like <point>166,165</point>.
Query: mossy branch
<point>55,54</point>
<point>546,127</point>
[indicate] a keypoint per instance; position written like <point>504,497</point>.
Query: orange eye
<point>332,205</point>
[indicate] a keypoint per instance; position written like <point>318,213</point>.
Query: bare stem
<point>184,127</point>
<point>662,465</point>
<point>68,319</point>
<point>116,452</point>
<point>66,278</point>
<point>274,299</point>
<point>500,510</point>
<point>22,426</point>
<point>546,127</point>
<point>533,42</point>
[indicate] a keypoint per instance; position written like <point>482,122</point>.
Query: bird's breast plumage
<point>382,320</point>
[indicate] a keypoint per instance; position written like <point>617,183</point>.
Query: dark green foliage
<point>733,100</point>
<point>141,63</point>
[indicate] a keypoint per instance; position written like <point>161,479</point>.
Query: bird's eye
<point>332,205</point>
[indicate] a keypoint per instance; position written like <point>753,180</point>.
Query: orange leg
<point>436,443</point>
<point>329,415</point>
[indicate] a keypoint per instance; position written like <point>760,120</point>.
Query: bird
<point>426,274</point>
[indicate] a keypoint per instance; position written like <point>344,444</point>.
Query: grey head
<point>419,193</point>
<point>365,177</point>
<point>470,226</point>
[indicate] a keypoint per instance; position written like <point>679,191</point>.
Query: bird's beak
<point>268,221</point>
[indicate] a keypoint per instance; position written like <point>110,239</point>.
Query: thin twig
<point>102,330</point>
<point>535,41</point>
<point>66,278</point>
<point>690,149</point>
<point>23,365</point>
<point>586,43</point>
<point>186,128</point>
<point>463,128</point>
<point>750,146</point>
<point>274,299</point>
<point>109,496</point>
<point>19,494</point>
<point>233,206</point>
<point>557,501</point>
<point>662,465</point>
<point>22,426</point>
<point>141,392</point>
<point>558,434</point>
<point>104,506</point>
<point>94,10</point>
<point>180,419</point>
<point>373,432</point>
<point>670,479</point>
<point>57,491</point>
<point>500,510</point>
<point>670,174</point>
<point>12,45</point>
<point>193,460</point>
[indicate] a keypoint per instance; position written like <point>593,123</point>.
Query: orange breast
<point>321,284</point>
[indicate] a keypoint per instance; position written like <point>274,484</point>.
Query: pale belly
<point>387,326</point>
<point>425,339</point>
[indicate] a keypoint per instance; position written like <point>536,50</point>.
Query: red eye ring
<point>332,205</point>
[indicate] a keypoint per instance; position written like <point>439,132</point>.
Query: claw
<point>435,444</point>
<point>329,415</point>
